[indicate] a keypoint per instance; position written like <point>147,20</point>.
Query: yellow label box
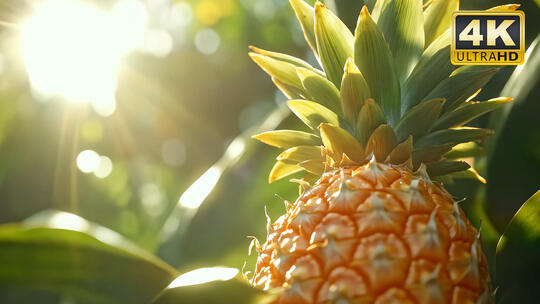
<point>488,38</point>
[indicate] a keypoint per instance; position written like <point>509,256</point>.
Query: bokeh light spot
<point>207,41</point>
<point>88,161</point>
<point>173,152</point>
<point>104,167</point>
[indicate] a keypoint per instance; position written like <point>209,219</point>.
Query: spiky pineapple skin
<point>375,233</point>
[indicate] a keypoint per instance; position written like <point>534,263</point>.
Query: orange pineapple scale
<point>374,234</point>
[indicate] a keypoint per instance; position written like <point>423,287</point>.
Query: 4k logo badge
<point>488,38</point>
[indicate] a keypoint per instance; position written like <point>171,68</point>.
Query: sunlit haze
<point>72,49</point>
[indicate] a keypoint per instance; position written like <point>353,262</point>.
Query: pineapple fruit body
<point>374,234</point>
<point>386,124</point>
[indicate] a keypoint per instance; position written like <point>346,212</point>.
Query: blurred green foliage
<point>176,114</point>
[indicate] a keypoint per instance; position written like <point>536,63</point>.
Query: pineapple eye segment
<point>72,49</point>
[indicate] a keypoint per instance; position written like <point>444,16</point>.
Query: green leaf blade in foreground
<point>354,91</point>
<point>319,89</point>
<point>211,285</point>
<point>312,113</point>
<point>402,23</point>
<point>433,67</point>
<point>306,17</point>
<point>518,251</point>
<point>286,139</point>
<point>334,43</point>
<point>438,17</point>
<point>374,59</point>
<point>93,264</point>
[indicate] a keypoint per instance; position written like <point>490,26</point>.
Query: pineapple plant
<point>386,127</point>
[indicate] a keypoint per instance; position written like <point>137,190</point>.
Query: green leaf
<point>468,112</point>
<point>429,154</point>
<point>402,153</point>
<point>464,150</point>
<point>446,167</point>
<point>419,120</point>
<point>218,290</point>
<point>434,66</point>
<point>462,84</point>
<point>286,58</point>
<point>334,43</point>
<point>374,59</point>
<point>438,17</point>
<point>289,91</point>
<point>320,89</point>
<point>312,113</point>
<point>65,253</point>
<point>456,136</point>
<point>281,170</point>
<point>381,142</point>
<point>354,91</point>
<point>306,17</point>
<point>517,255</point>
<point>281,70</point>
<point>504,7</point>
<point>316,167</point>
<point>371,116</point>
<point>402,24</point>
<point>301,153</point>
<point>470,173</point>
<point>339,142</point>
<point>523,80</point>
<point>288,138</point>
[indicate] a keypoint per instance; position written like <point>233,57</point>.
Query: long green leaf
<point>286,58</point>
<point>301,153</point>
<point>430,154</point>
<point>434,66</point>
<point>354,91</point>
<point>283,71</point>
<point>464,150</point>
<point>517,255</point>
<point>446,167</point>
<point>469,112</point>
<point>419,120</point>
<point>456,136</point>
<point>381,142</point>
<point>281,170</point>
<point>334,43</point>
<point>374,59</point>
<point>289,91</point>
<point>306,17</point>
<point>438,17</point>
<point>371,116</point>
<point>402,24</point>
<point>339,142</point>
<point>312,113</point>
<point>462,84</point>
<point>319,89</point>
<point>64,253</point>
<point>287,138</point>
<point>520,84</point>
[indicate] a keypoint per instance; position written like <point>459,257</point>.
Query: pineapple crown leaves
<point>387,91</point>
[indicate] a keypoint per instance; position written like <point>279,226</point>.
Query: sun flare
<point>73,49</point>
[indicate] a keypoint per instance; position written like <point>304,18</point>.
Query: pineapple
<point>385,128</point>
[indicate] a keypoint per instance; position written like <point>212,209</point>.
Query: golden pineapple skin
<point>375,233</point>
